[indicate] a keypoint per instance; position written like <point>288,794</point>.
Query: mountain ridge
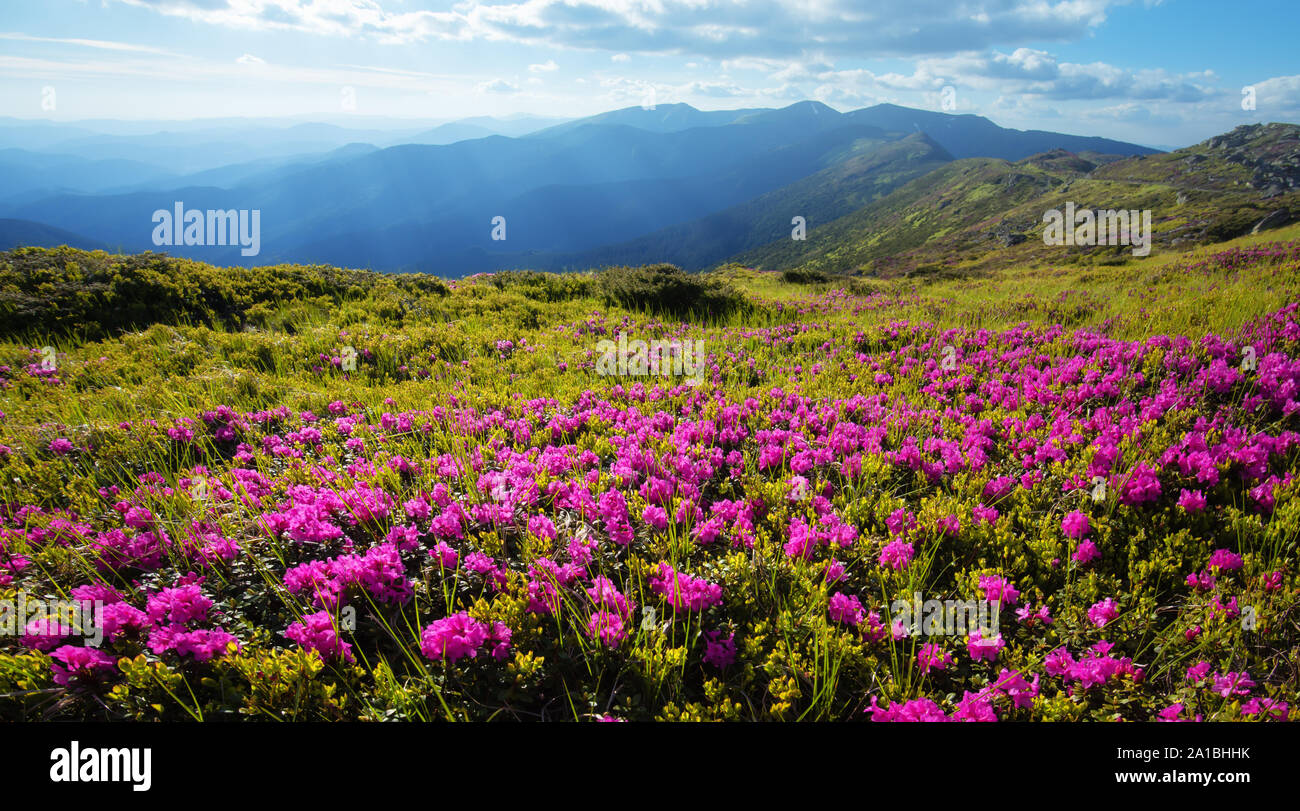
<point>978,213</point>
<point>431,206</point>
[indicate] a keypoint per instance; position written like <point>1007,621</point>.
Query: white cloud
<point>714,90</point>
<point>500,86</point>
<point>997,53</point>
<point>193,70</point>
<point>1278,97</point>
<point>837,96</point>
<point>101,44</point>
<point>340,18</point>
<point>722,28</point>
<point>1039,73</point>
<point>412,74</point>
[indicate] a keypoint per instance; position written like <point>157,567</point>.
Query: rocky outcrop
<point>1270,151</point>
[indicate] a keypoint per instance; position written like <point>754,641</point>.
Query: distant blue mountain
<point>660,118</point>
<point>568,190</point>
<point>26,172</point>
<point>23,233</point>
<point>973,136</point>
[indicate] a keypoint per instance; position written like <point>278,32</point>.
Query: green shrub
<point>667,290</point>
<point>804,276</point>
<point>59,291</point>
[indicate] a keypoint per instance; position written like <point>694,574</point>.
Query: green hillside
<point>978,213</point>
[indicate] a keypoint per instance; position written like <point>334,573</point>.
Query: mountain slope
<point>981,212</point>
<point>868,171</point>
<point>23,233</point>
<point>26,172</point>
<point>545,225</point>
<point>970,136</point>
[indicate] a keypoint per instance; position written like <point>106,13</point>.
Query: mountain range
<point>632,186</point>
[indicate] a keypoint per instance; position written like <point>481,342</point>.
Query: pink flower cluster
<point>317,632</point>
<point>683,591</point>
<point>379,572</point>
<point>611,615</point>
<point>1095,669</point>
<point>459,636</point>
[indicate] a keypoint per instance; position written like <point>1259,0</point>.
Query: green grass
<point>425,348</point>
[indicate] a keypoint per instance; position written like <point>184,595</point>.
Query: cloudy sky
<point>1160,72</point>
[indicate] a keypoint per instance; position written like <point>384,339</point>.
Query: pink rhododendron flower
<point>606,596</point>
<point>896,555</point>
<point>1266,708</point>
<point>1198,671</point>
<point>719,650</point>
<point>846,609</point>
<point>919,709</point>
<point>932,656</point>
<point>1233,684</point>
<point>834,572</point>
<point>542,527</point>
<point>1075,525</point>
<point>1103,612</point>
<point>655,516</point>
<point>1225,560</point>
<point>948,527</point>
<point>83,666</point>
<point>1029,615</point>
<point>1191,500</point>
<point>316,632</point>
<point>1086,553</point>
<point>999,590</point>
<point>607,628</point>
<point>684,591</point>
<point>1172,713</point>
<point>975,707</point>
<point>178,605</point>
<point>985,515</point>
<point>900,522</point>
<point>983,648</point>
<point>202,644</point>
<point>453,638</point>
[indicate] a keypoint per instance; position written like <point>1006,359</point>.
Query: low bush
<point>667,290</point>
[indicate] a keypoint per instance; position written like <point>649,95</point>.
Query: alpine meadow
<point>650,362</point>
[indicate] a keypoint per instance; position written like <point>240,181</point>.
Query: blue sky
<point>1165,72</point>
